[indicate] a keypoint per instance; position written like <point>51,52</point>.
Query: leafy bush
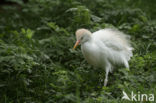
<point>38,64</point>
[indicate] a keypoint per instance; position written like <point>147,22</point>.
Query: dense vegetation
<point>37,64</point>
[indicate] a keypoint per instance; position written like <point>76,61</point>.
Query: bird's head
<point>82,36</point>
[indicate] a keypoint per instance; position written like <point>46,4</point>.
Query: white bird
<point>104,48</point>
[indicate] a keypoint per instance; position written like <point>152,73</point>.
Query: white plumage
<point>105,48</point>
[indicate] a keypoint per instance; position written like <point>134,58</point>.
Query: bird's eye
<point>81,38</point>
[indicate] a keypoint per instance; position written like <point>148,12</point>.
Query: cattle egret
<point>104,48</point>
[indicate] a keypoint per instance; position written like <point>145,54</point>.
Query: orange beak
<point>76,44</point>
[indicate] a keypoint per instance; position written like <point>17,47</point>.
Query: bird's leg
<point>106,76</point>
<point>126,64</point>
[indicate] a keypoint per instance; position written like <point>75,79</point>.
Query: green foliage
<point>38,64</point>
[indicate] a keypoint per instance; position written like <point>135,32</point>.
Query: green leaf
<point>29,34</point>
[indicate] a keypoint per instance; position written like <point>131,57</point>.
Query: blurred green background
<point>37,64</point>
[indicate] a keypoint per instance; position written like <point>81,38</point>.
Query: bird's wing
<point>113,39</point>
<point>113,45</point>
